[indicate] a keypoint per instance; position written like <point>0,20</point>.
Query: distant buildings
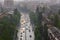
<point>0,6</point>
<point>54,1</point>
<point>8,4</point>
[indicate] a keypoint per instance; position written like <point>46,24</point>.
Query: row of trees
<point>55,19</point>
<point>36,19</point>
<point>8,25</point>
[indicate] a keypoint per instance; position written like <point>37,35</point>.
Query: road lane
<point>25,31</point>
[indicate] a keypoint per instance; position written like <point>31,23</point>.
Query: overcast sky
<point>14,0</point>
<point>23,0</point>
<point>29,0</point>
<point>37,0</point>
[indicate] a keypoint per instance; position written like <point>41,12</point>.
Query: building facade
<point>9,4</point>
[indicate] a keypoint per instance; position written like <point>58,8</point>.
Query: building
<point>0,6</point>
<point>53,1</point>
<point>8,4</point>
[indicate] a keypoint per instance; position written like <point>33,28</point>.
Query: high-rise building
<point>0,4</point>
<point>8,4</point>
<point>53,1</point>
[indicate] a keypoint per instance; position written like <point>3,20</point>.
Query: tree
<point>8,25</point>
<point>33,18</point>
<point>56,21</point>
<point>59,12</point>
<point>45,32</point>
<point>38,28</point>
<point>36,19</point>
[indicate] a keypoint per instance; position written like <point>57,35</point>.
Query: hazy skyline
<point>20,0</point>
<point>30,0</point>
<point>55,1</point>
<point>33,0</point>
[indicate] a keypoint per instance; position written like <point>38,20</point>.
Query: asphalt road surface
<point>25,32</point>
